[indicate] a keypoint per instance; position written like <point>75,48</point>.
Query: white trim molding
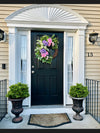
<point>46,13</point>
<point>48,18</point>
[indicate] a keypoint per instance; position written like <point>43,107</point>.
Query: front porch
<point>20,33</point>
<point>87,123</point>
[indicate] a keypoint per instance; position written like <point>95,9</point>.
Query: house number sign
<point>90,54</point>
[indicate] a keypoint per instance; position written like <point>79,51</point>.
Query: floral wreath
<point>43,46</point>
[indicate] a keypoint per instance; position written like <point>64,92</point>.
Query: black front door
<point>47,79</point>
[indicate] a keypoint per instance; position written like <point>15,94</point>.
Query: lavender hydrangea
<point>45,43</point>
<point>43,50</point>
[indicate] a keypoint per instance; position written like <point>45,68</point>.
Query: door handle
<point>33,71</point>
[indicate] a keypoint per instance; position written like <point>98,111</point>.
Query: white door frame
<point>78,59</point>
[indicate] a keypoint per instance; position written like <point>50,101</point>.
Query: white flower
<point>47,57</point>
<point>53,43</point>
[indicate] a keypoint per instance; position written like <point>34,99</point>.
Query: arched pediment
<point>46,13</point>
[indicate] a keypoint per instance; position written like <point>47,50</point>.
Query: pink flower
<point>49,44</point>
<point>44,54</point>
<point>47,53</point>
<point>49,41</point>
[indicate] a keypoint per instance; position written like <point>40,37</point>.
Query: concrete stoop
<point>47,110</point>
<point>87,123</point>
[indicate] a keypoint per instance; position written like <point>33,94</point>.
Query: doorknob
<point>33,71</point>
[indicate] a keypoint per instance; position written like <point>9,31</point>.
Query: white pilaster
<point>81,43</point>
<point>12,55</point>
<point>12,59</point>
<point>79,57</point>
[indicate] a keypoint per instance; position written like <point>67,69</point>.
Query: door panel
<point>47,79</point>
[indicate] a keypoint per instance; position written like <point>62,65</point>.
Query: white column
<point>81,42</point>
<point>79,59</point>
<point>79,49</point>
<point>12,60</point>
<point>12,55</point>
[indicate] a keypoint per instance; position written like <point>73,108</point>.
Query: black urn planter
<point>77,107</point>
<point>17,109</point>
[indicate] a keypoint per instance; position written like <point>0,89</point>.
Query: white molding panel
<point>46,13</point>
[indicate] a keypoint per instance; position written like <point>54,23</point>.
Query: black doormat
<point>48,120</point>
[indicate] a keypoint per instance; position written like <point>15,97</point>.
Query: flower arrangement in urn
<point>78,93</point>
<point>17,93</point>
<point>43,46</point>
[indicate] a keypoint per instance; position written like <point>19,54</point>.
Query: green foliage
<point>55,40</point>
<point>78,91</point>
<point>18,90</point>
<point>45,37</point>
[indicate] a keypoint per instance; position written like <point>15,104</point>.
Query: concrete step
<point>48,110</point>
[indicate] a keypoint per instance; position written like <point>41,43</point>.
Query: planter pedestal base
<point>17,109</point>
<point>17,119</point>
<point>77,107</point>
<point>77,117</point>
